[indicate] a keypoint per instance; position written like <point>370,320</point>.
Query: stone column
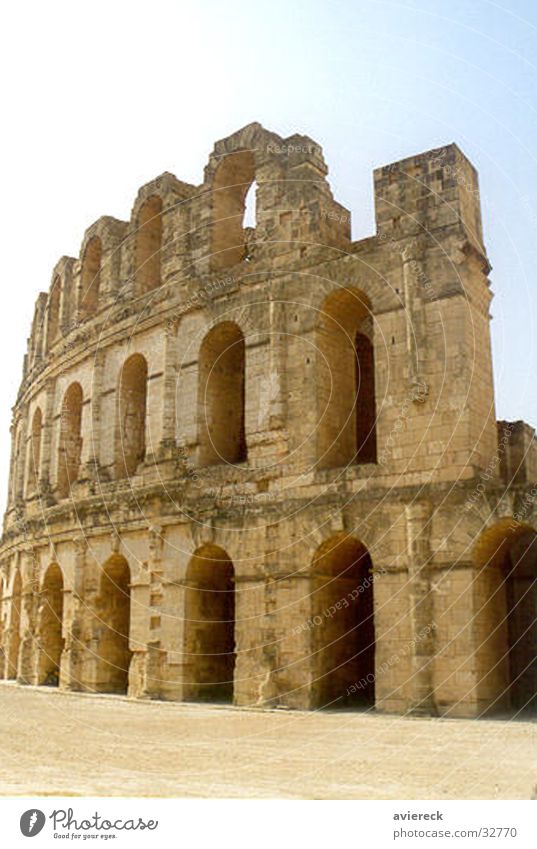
<point>285,656</point>
<point>46,439</point>
<point>4,645</point>
<point>11,495</point>
<point>38,330</point>
<point>422,646</point>
<point>169,383</point>
<point>29,648</point>
<point>91,433</point>
<point>277,407</point>
<point>413,274</point>
<point>155,653</point>
<point>81,651</point>
<point>145,626</point>
<point>19,467</point>
<point>269,685</point>
<point>73,648</point>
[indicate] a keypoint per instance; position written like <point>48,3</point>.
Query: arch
<point>209,629</point>
<point>505,590</point>
<point>365,414</point>
<point>221,396</point>
<point>232,179</point>
<point>14,627</point>
<point>70,444</point>
<point>345,381</point>
<point>53,312</point>
<point>91,276</point>
<point>148,245</point>
<point>250,207</point>
<point>343,636</point>
<point>49,627</point>
<point>132,409</point>
<point>113,611</point>
<point>35,450</point>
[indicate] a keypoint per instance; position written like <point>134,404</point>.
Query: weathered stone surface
<point>262,465</point>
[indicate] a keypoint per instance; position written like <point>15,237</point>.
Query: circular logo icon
<point>32,822</point>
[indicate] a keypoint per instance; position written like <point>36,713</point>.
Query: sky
<point>101,97</point>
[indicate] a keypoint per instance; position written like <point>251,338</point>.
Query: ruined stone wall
<point>215,455</point>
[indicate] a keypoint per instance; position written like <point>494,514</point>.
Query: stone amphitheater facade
<point>261,464</point>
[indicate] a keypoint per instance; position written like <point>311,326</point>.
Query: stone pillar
<point>9,633</point>
<point>422,645</point>
<point>269,685</point>
<point>255,658</point>
<point>3,642</point>
<point>38,330</point>
<point>81,650</point>
<point>73,647</point>
<point>145,624</point>
<point>277,396</point>
<point>284,655</point>
<point>91,432</point>
<point>413,273</point>
<point>19,466</point>
<point>11,495</point>
<point>29,648</point>
<point>169,385</point>
<point>46,438</point>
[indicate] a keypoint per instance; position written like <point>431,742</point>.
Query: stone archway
<point>345,380</point>
<point>209,630</point>
<point>221,396</point>
<point>50,620</point>
<point>113,611</point>
<point>342,624</point>
<point>148,245</point>
<point>70,442</point>
<point>232,180</point>
<point>91,276</point>
<point>506,589</point>
<point>131,416</point>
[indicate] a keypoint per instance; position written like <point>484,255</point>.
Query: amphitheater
<point>261,464</point>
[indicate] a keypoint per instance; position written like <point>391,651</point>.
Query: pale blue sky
<point>104,96</point>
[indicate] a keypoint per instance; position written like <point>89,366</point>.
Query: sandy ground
<point>65,744</point>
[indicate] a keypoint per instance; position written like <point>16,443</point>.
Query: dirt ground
<point>65,744</point>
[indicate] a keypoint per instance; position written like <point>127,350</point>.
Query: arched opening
<point>343,633</point>
<point>53,312</point>
<point>232,180</point>
<point>91,276</point>
<point>209,636</point>
<point>50,618</point>
<point>148,245</point>
<point>346,381</point>
<point>70,447</point>
<point>14,627</point>
<point>221,394</point>
<point>365,413</point>
<point>132,404</point>
<point>113,611</point>
<point>505,589</point>
<point>35,450</point>
<point>250,207</point>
